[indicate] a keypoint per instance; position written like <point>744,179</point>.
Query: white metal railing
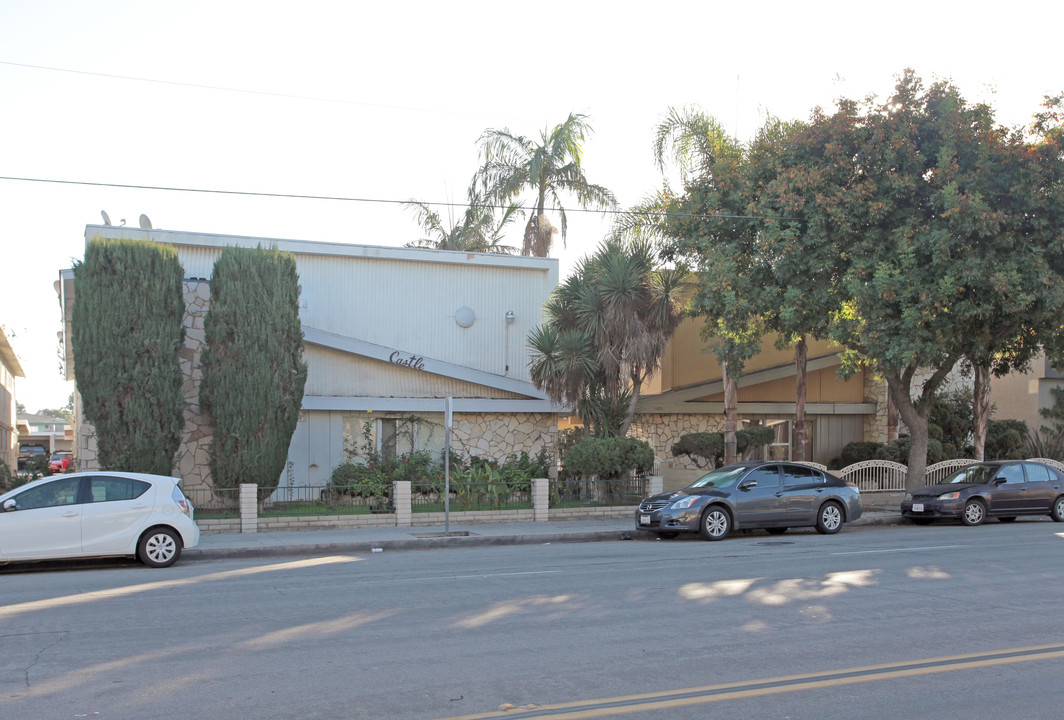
<point>941,470</point>
<point>876,475</point>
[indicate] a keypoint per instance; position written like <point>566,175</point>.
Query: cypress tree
<point>126,332</point>
<point>253,368</point>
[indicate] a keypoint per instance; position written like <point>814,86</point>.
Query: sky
<point>386,102</point>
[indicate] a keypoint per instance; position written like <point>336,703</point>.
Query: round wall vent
<point>464,316</point>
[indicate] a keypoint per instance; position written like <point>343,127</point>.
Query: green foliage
<point>707,449</point>
<point>9,479</point>
<point>126,333</point>
<point>253,368</point>
<point>608,326</point>
<point>608,458</point>
<point>859,451</point>
<point>548,169</point>
<point>478,229</point>
<point>1048,442</point>
<point>899,451</point>
<point>1006,440</point>
<point>950,422</point>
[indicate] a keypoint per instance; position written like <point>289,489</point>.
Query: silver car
<point>770,495</point>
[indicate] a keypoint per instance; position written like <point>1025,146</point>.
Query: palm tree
<point>478,230</point>
<point>514,164</point>
<point>608,326</point>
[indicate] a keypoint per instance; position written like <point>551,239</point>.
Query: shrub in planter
<point>608,458</point>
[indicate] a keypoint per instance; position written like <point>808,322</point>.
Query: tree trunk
<point>632,402</point>
<point>981,409</point>
<point>915,418</point>
<point>800,356</point>
<point>892,419</point>
<point>731,412</point>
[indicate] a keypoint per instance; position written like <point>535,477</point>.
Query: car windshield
<point>719,478</point>
<point>974,474</point>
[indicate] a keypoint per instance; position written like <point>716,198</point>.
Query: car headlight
<point>908,497</point>
<point>684,502</point>
<point>949,496</point>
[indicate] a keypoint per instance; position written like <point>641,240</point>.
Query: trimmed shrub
<point>253,368</point>
<point>707,449</point>
<point>608,458</point>
<point>126,333</point>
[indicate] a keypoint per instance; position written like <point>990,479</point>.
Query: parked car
<point>61,462</point>
<point>1003,489</point>
<point>97,514</point>
<point>27,453</point>
<point>770,495</point>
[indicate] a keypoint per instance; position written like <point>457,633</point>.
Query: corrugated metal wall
<point>410,304</point>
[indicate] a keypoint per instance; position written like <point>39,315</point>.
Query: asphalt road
<point>942,621</point>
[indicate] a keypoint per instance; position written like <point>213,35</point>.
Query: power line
<point>222,88</point>
<point>341,198</point>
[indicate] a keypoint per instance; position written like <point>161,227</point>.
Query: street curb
<point>456,541</point>
<point>440,543</point>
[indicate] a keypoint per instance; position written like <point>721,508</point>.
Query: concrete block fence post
<point>655,483</point>
<point>401,501</point>
<point>249,508</point>
<point>540,499</point>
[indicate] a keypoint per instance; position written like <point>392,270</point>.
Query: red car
<point>61,462</point>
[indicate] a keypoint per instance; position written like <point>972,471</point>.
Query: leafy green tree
<point>912,200</point>
<point>549,168</point>
<point>607,328</point>
<point>703,226</point>
<point>253,368</point>
<point>126,333</point>
<point>477,230</point>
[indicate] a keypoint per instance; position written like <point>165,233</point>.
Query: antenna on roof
<point>145,222</point>
<point>106,217</point>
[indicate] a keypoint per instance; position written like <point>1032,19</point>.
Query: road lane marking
<point>659,701</point>
<point>898,550</point>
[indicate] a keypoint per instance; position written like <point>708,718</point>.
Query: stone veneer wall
<point>192,463</point>
<point>497,435</point>
<point>663,430</point>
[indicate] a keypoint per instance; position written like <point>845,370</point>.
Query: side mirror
<point>10,504</point>
<point>747,484</point>
<point>998,481</point>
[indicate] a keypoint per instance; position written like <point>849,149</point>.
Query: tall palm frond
<point>514,164</point>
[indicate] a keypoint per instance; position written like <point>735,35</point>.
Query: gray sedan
<point>770,495</point>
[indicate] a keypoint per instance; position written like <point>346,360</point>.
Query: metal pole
<point>447,467</point>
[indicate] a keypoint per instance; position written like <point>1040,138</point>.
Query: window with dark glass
<point>799,475</point>
<point>768,475</point>
<point>109,489</point>
<point>53,494</point>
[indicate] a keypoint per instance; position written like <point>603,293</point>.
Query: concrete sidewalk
<point>380,539</point>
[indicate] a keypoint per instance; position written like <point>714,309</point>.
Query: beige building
<point>10,368</point>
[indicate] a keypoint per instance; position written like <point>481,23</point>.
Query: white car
<point>97,514</point>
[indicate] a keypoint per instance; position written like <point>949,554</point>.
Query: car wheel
<point>1058,509</point>
<point>159,547</point>
<point>716,523</point>
<point>776,531</point>
<point>829,519</point>
<point>667,535</point>
<point>1006,519</point>
<point>921,521</point>
<point>974,513</point>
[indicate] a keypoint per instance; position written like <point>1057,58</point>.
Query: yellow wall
<point>822,386</point>
<point>689,360</point>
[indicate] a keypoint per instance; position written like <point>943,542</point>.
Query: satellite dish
<point>145,222</point>
<point>106,217</point>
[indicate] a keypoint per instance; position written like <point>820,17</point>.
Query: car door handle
<point>779,494</point>
<point>70,513</point>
